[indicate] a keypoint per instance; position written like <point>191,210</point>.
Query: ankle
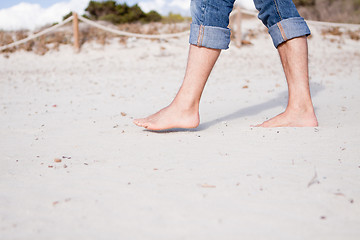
<point>300,109</point>
<point>185,104</point>
<point>304,105</point>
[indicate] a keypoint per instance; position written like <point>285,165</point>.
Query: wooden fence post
<point>76,32</point>
<point>238,33</point>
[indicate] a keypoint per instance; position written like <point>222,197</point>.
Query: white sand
<point>223,180</point>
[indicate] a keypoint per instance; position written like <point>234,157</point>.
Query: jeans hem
<point>288,29</point>
<point>209,36</point>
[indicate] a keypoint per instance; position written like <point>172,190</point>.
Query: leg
<point>183,112</point>
<point>208,35</point>
<point>288,31</point>
<point>299,111</point>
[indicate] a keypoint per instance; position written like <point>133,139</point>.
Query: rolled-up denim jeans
<point>210,20</point>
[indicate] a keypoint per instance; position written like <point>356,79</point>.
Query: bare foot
<point>170,117</point>
<point>291,119</point>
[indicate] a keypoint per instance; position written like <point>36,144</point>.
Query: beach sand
<point>74,166</point>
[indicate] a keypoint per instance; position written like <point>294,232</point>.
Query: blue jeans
<point>210,20</point>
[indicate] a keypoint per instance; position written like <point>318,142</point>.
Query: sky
<point>31,14</point>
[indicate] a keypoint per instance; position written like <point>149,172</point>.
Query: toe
<point>149,126</point>
<point>140,122</point>
<point>263,125</point>
<point>137,122</point>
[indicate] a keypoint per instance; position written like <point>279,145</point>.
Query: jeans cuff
<point>209,36</point>
<point>287,29</point>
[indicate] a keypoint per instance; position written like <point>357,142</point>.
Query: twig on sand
<point>313,180</point>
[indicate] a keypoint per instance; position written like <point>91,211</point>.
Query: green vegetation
<point>173,18</point>
<point>120,13</point>
<point>356,4</point>
<point>67,15</point>
<point>153,16</point>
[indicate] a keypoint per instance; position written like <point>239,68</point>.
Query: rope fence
<point>238,11</point>
<point>33,36</point>
<point>128,34</point>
